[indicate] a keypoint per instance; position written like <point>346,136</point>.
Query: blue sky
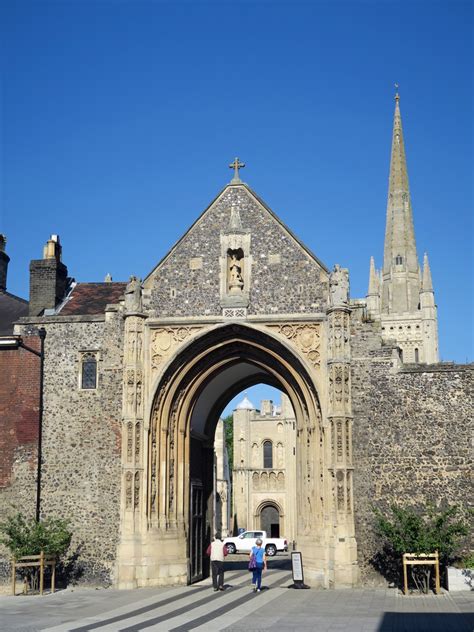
<point>119,119</point>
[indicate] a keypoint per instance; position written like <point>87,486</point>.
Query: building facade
<point>264,473</point>
<point>136,376</point>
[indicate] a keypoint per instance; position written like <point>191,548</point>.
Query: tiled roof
<point>91,298</point>
<point>11,309</point>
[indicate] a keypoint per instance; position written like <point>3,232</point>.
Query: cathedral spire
<point>400,246</point>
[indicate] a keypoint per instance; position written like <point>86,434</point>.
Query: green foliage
<point>408,531</point>
<point>229,438</point>
<point>27,537</point>
<point>467,561</point>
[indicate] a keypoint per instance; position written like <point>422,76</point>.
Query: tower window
<point>267,454</point>
<point>417,356</point>
<point>89,371</point>
<point>398,260</point>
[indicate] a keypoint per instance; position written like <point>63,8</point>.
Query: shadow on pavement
<point>426,622</point>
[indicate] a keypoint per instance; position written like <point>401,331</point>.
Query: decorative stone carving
<point>340,490</point>
<point>235,264</point>
<point>136,490</point>
<point>234,312</point>
<point>153,470</point>
<point>339,286</point>
<point>235,280</point>
<point>130,390</point>
<point>129,441</point>
<point>137,440</point>
<point>339,442</point>
<point>133,295</point>
<point>128,490</point>
<point>165,340</point>
<point>339,324</point>
<point>339,385</point>
<point>306,337</point>
<point>348,441</point>
<point>349,491</point>
<point>171,433</point>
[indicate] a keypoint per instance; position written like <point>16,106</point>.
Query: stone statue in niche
<point>339,286</point>
<point>235,261</point>
<point>133,295</point>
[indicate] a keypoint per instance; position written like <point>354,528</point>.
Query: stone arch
<point>191,392</point>
<point>176,404</point>
<point>260,518</point>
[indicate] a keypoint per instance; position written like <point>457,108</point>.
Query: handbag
<point>252,562</point>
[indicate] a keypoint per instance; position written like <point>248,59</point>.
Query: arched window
<point>89,371</point>
<point>267,454</point>
<point>398,260</point>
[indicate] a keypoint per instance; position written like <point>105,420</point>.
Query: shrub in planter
<point>23,536</point>
<point>406,530</point>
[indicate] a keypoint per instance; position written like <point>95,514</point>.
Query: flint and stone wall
<point>412,433</point>
<point>81,442</point>
<point>284,279</point>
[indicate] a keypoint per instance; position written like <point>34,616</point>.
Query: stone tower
<point>264,473</point>
<point>401,295</point>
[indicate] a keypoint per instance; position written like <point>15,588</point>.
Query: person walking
<point>260,565</point>
<point>218,551</point>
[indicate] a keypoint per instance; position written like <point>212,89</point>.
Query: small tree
<point>24,536</point>
<point>408,531</point>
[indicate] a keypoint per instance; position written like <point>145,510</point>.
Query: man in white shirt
<point>217,551</point>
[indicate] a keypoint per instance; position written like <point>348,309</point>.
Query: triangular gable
<point>262,204</point>
<point>237,254</point>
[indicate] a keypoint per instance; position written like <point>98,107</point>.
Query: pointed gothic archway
<point>189,396</point>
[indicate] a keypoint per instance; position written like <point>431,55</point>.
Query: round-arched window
<point>267,454</point>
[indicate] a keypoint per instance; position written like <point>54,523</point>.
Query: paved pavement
<point>277,608</point>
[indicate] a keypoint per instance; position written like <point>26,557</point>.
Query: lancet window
<point>89,371</point>
<point>267,454</point>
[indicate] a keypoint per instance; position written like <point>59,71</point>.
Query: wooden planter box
<point>33,561</point>
<point>409,559</point>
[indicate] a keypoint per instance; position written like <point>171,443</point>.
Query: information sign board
<point>297,566</point>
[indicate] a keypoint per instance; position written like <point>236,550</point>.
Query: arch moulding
<point>185,396</point>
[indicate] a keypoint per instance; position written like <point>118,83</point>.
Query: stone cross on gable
<point>236,165</point>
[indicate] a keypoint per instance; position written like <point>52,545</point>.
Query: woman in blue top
<point>261,563</point>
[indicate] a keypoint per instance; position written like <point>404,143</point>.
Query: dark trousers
<point>217,568</point>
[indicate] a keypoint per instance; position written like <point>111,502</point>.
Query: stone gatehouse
<point>136,376</point>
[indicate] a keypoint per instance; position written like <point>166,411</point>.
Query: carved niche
<point>339,387</point>
<point>339,323</point>
<point>235,263</point>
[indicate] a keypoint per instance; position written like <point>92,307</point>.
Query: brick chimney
<point>48,278</point>
<point>4,259</point>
